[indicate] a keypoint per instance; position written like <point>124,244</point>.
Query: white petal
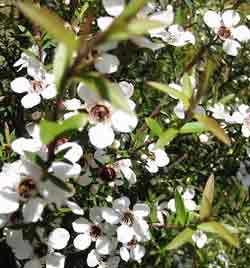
<point>171,205</point>
<point>231,47</point>
<point>238,117</point>
<point>58,238</point>
<point>122,203</point>
<point>84,180</point>
<point>20,85</point>
<point>164,17</point>
<point>161,158</point>
<point>113,7</point>
<point>127,89</point>
<point>82,241</point>
<point>30,100</point>
<point>87,95</point>
<point>123,121</point>
<point>72,104</point>
<point>124,253</point>
<point>141,41</point>
<point>244,109</point>
<point>245,131</point>
<point>104,22</point>
<point>242,33</point>
<point>93,258</point>
<point>101,136</point>
<point>49,92</point>
<point>141,210</point>
<point>103,245</point>
<point>95,215</point>
<point>107,63</point>
<point>110,215</point>
<point>64,170</point>
<point>9,202</point>
<point>137,252</point>
<point>75,208</point>
<point>189,193</point>
<point>151,166</point>
<point>190,204</point>
<point>22,145</point>
<point>129,174</point>
<point>230,18</point>
<point>141,229</point>
<point>212,19</point>
<point>55,260</point>
<point>74,152</point>
<point>33,209</point>
<point>102,156</point>
<point>81,225</point>
<point>124,233</point>
<point>3,220</point>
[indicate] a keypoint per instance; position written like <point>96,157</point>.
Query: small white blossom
<point>199,238</point>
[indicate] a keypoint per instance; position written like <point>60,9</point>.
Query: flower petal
<point>81,225</point>
<point>58,238</point>
<point>30,100</point>
<point>231,47</point>
<point>123,121</point>
<point>212,19</point>
<point>103,245</point>
<point>124,253</point>
<point>104,22</point>
<point>20,85</point>
<point>124,233</point>
<point>242,33</point>
<point>75,208</point>
<point>33,209</point>
<point>141,210</point>
<point>113,7</point>
<point>82,241</point>
<point>107,63</point>
<point>110,215</point>
<point>55,260</point>
<point>101,136</point>
<point>230,18</point>
<point>122,203</point>
<point>49,92</point>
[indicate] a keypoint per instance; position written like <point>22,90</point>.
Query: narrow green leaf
<point>171,91</point>
<point>180,209</point>
<point>193,127</point>
<point>187,86</point>
<point>154,126</point>
<point>50,22</point>
<point>50,130</point>
<point>214,127</point>
<point>166,137</point>
<point>182,238</point>
<point>219,229</point>
<point>142,26</point>
<point>105,89</point>
<point>62,61</point>
<point>207,198</point>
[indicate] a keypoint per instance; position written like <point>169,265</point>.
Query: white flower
<point>42,85</point>
<point>32,64</point>
<point>225,26</point>
<point>132,250</point>
<point>161,211</point>
<point>156,160</point>
<point>219,111</point>
<point>106,118</point>
<point>199,238</point>
<point>242,116</point>
<point>58,238</point>
<point>132,221</point>
<point>188,201</point>
<point>94,259</point>
<point>90,231</point>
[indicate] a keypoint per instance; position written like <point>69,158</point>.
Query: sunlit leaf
<point>219,229</point>
<point>180,209</point>
<point>182,238</point>
<point>50,130</point>
<point>193,127</point>
<point>187,86</point>
<point>207,198</point>
<point>166,137</point>
<point>214,127</point>
<point>154,126</point>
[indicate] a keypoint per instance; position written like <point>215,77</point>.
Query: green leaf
<point>62,61</point>
<point>50,22</point>
<point>180,209</point>
<point>154,126</point>
<point>193,127</point>
<point>50,130</point>
<point>214,127</point>
<point>166,137</point>
<point>207,198</point>
<point>187,86</point>
<point>182,238</point>
<point>219,229</point>
<point>171,91</point>
<point>142,26</point>
<point>105,89</point>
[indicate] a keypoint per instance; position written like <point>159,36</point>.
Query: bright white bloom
<point>199,238</point>
<point>92,231</point>
<point>106,118</point>
<point>219,111</point>
<point>225,27</point>
<point>158,158</point>
<point>32,64</point>
<point>94,259</point>
<point>132,221</point>
<point>58,238</point>
<point>71,106</point>
<point>242,116</point>
<point>188,201</point>
<point>42,85</point>
<point>133,251</point>
<point>161,211</point>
